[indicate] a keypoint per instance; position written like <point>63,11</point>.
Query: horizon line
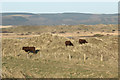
<point>59,12</point>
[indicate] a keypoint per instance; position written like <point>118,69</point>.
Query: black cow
<point>68,43</point>
<point>82,41</point>
<point>29,49</point>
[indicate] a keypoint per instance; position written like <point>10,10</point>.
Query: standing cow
<point>68,43</point>
<point>82,41</point>
<point>29,49</point>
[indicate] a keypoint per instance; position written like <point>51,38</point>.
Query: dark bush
<point>21,34</point>
<point>62,32</point>
<point>53,32</point>
<point>70,37</point>
<point>98,35</point>
<point>78,32</point>
<point>102,30</point>
<point>6,32</point>
<point>113,30</point>
<point>29,32</point>
<point>78,28</point>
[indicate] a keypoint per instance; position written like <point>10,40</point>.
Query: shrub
<point>78,32</point>
<point>22,34</point>
<point>78,28</point>
<point>102,30</point>
<point>113,30</point>
<point>6,32</point>
<point>62,32</point>
<point>53,32</point>
<point>70,37</point>
<point>98,35</point>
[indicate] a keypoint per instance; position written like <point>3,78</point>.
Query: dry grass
<point>53,60</point>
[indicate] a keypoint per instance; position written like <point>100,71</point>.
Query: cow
<point>29,49</point>
<point>68,43</point>
<point>82,41</point>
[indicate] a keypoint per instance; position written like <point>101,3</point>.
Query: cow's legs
<point>66,45</point>
<point>28,54</point>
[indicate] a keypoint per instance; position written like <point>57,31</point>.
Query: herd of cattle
<point>67,43</point>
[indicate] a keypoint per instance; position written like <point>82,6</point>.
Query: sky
<point>110,7</point>
<point>60,0</point>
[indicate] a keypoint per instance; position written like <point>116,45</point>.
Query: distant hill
<point>58,19</point>
<point>6,14</point>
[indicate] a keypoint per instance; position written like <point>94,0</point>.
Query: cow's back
<point>31,49</point>
<point>81,41</point>
<point>68,43</point>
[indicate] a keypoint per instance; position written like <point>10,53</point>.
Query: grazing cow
<point>68,43</point>
<point>29,49</point>
<point>81,41</point>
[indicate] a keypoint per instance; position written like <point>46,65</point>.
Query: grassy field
<point>96,59</point>
<point>62,29</point>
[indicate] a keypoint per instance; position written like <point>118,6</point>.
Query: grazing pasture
<point>96,59</point>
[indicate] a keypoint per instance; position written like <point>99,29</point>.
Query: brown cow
<point>68,43</point>
<point>81,41</point>
<point>29,49</point>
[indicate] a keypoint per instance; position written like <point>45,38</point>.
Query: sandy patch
<point>5,26</point>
